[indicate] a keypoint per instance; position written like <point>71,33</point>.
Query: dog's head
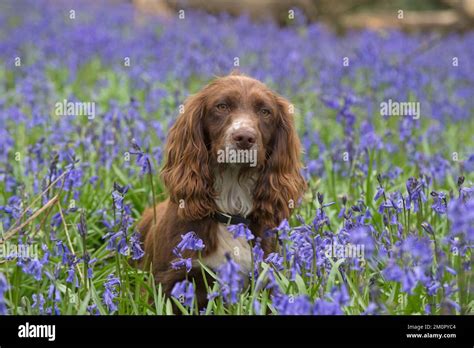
<point>236,122</point>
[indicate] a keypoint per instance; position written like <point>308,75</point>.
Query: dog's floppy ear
<point>281,184</point>
<point>186,172</point>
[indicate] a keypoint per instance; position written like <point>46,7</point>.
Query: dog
<point>210,187</point>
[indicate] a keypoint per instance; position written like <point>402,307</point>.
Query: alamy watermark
<point>345,251</point>
<point>396,108</point>
<point>230,155</point>
<point>21,251</point>
<point>69,108</point>
<point>28,330</point>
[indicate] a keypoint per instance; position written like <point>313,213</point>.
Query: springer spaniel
<point>211,186</point>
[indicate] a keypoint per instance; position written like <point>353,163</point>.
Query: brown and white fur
<point>233,112</point>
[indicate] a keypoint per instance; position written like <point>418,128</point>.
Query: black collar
<point>230,219</point>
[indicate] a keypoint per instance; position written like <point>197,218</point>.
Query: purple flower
<point>109,297</point>
<point>283,230</point>
<point>461,216</point>
<point>292,305</point>
<point>371,309</point>
<point>415,193</point>
<point>368,138</point>
<point>380,193</point>
<point>184,293</point>
<point>320,219</point>
<point>240,230</point>
<point>439,204</point>
<point>118,242</point>
<point>142,158</point>
<point>89,267</point>
<point>63,251</point>
<point>230,280</point>
<point>182,263</point>
<point>38,302</point>
<point>323,307</point>
<point>189,241</point>
<point>137,251</point>
<point>93,310</point>
<point>276,260</point>
<point>70,275</point>
<point>33,267</point>
<point>394,201</point>
<point>362,236</point>
<point>393,272</point>
<point>415,255</point>
<point>3,288</point>
<point>258,253</point>
<point>466,193</point>
<point>55,296</point>
<point>340,295</point>
<point>418,249</point>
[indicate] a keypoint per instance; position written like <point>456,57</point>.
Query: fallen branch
<point>37,198</point>
<point>12,232</point>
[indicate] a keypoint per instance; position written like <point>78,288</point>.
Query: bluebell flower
<point>118,242</point>
<point>240,230</point>
<point>55,296</point>
<point>340,295</point>
<point>276,260</point>
<point>142,158</point>
<point>38,302</point>
<point>439,204</point>
<point>371,309</point>
<point>189,241</point>
<point>63,251</point>
<point>283,230</point>
<point>461,217</point>
<point>212,295</point>
<point>184,292</point>
<point>393,272</point>
<point>314,167</point>
<point>93,310</point>
<point>109,297</point>
<point>415,193</point>
<point>291,304</point>
<point>320,219</point>
<point>3,288</point>
<point>33,267</point>
<point>369,138</point>
<point>466,193</point>
<point>257,306</point>
<point>394,202</point>
<point>89,267</point>
<point>419,249</point>
<point>257,253</point>
<point>380,192</point>
<point>323,307</point>
<point>70,274</point>
<point>182,263</point>
<point>230,280</point>
<point>433,287</point>
<point>362,236</point>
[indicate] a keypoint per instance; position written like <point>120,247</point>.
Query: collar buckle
<point>229,218</point>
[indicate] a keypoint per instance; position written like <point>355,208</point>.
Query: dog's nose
<point>244,138</point>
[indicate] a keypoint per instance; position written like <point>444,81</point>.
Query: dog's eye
<point>222,107</point>
<point>265,112</point>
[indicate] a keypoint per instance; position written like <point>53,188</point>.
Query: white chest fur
<point>238,248</point>
<point>235,197</point>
